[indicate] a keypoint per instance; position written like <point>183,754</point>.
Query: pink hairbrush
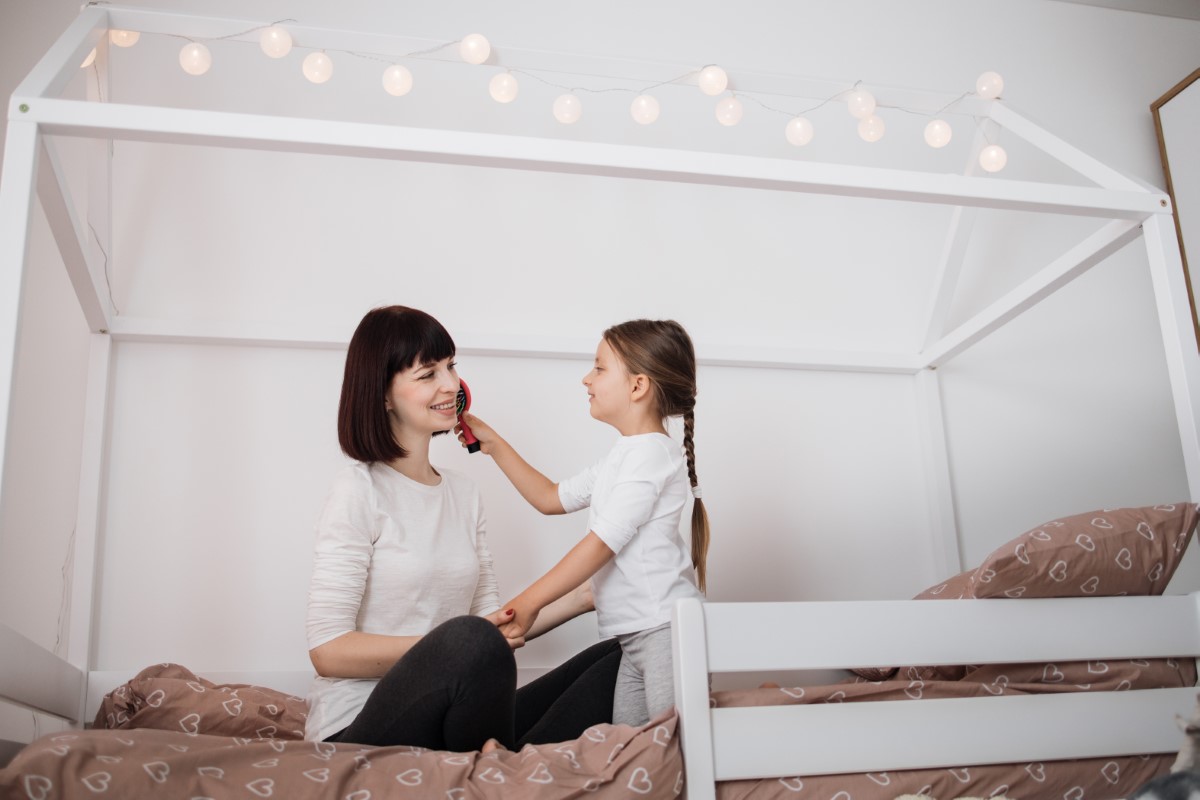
<point>462,403</point>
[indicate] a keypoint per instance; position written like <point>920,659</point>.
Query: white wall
<point>220,455</point>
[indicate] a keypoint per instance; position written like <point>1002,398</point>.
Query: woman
<point>403,605</point>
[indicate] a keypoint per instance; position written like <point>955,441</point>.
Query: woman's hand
<point>487,437</point>
<point>499,618</point>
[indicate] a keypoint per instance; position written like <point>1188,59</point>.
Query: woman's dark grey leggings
<point>456,688</point>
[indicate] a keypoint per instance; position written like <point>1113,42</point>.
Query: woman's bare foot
<point>491,745</point>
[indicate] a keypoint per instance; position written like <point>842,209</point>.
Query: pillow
<point>955,588</point>
<point>1107,552</point>
<point>171,698</point>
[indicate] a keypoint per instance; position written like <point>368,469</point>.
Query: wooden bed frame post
<point>945,548</point>
<point>689,644</point>
<point>16,211</point>
<point>1179,339</point>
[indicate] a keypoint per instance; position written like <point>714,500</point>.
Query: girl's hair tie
<point>696,493</point>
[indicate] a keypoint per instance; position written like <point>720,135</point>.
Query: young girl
<point>645,371</point>
<point>403,604</point>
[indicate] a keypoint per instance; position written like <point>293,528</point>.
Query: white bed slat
<point>774,741</point>
<point>319,335</point>
<point>748,637</point>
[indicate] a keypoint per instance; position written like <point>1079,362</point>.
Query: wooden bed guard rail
<point>777,741</point>
<point>32,676</point>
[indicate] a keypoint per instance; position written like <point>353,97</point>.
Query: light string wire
<point>428,52</point>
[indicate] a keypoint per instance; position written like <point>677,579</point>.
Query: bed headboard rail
<point>777,741</point>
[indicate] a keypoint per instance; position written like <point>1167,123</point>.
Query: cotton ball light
<point>938,133</point>
<point>799,131</point>
<point>123,38</point>
<point>567,109</point>
<point>317,67</point>
<point>275,41</point>
<point>712,80</point>
<point>504,87</point>
<point>871,128</point>
<point>474,48</point>
<point>993,158</point>
<point>989,85</point>
<point>644,109</point>
<point>397,80</point>
<point>195,58</point>
<point>729,111</point>
<point>860,103</point>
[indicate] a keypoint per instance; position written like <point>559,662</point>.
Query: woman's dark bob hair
<point>388,340</point>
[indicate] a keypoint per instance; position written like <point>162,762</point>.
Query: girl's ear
<point>640,387</point>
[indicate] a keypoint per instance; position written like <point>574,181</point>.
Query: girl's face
<point>422,399</point>
<point>610,387</point>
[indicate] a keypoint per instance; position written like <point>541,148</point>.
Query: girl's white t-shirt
<point>394,557</point>
<point>636,494</point>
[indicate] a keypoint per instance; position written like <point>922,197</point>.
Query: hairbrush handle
<point>462,403</point>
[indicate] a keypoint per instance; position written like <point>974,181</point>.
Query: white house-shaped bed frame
<point>36,678</point>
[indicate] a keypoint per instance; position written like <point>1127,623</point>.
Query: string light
<point>712,80</point>
<point>989,85</point>
<point>729,111</point>
<point>993,158</point>
<point>397,80</point>
<point>871,129</point>
<point>474,49</point>
<point>275,41</point>
<point>938,133</point>
<point>504,87</point>
<point>798,131</point>
<point>123,38</point>
<point>195,58</point>
<point>644,109</point>
<point>317,67</point>
<point>568,109</point>
<point>860,103</point>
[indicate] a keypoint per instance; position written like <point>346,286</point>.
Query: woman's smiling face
<point>423,398</point>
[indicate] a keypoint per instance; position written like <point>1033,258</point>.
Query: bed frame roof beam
<point>253,131</point>
<point>60,213</point>
<point>61,62</point>
<point>1064,269</point>
<point>1102,174</point>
